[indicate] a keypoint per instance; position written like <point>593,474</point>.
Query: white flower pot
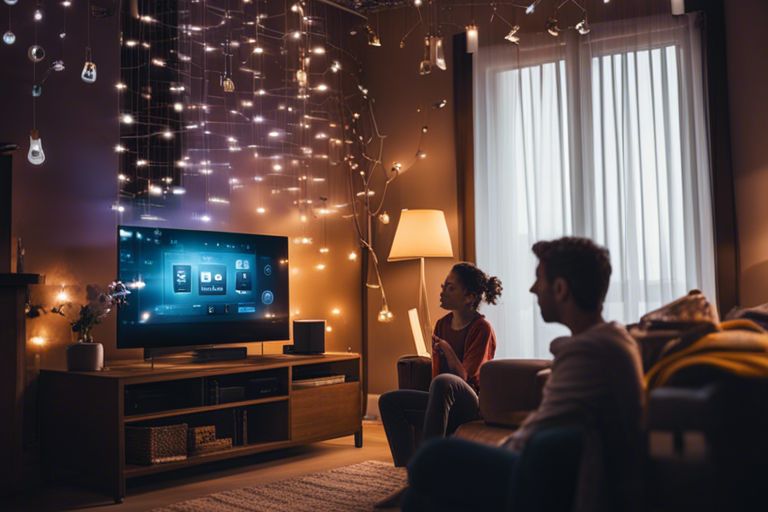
<point>85,357</point>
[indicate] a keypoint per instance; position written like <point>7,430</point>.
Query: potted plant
<point>86,355</point>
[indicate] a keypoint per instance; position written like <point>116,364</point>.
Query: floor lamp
<point>421,234</point>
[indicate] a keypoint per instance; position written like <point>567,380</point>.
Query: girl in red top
<point>462,341</point>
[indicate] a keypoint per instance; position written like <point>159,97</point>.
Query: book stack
<point>318,381</point>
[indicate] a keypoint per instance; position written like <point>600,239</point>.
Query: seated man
<point>596,382</point>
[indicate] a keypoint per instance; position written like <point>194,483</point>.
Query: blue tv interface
<point>201,287</point>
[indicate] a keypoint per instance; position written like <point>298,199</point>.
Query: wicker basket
<point>200,435</point>
<point>155,445</point>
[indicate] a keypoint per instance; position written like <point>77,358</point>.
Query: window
<point>603,138</point>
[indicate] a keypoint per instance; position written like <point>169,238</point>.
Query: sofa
<point>704,445</point>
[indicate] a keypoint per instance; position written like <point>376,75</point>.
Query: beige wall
<point>747,53</point>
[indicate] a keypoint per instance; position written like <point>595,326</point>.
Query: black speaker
<point>308,337</point>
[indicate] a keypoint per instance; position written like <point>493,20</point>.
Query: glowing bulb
<point>318,50</point>
<point>512,35</point>
<point>277,167</point>
<point>258,50</point>
<point>417,3</point>
<point>301,78</point>
<point>38,15</point>
<point>11,2</point>
<point>178,107</point>
<point>120,86</point>
<point>328,328</point>
<point>384,218</point>
<point>320,266</point>
<point>530,8</point>
<point>228,85</point>
<point>9,37</point>
<point>261,210</point>
<point>471,31</point>
<point>322,87</point>
<point>167,134</point>
<point>178,191</point>
<point>145,316</point>
<point>89,72</point>
<point>126,119</point>
<point>62,296</point>
<point>36,156</point>
<point>37,341</point>
<point>352,256</point>
<point>385,315</point>
<point>296,35</point>
<point>119,148</point>
<point>324,250</point>
<point>274,134</point>
<point>583,27</point>
<point>336,66</point>
<point>36,53</point>
<point>258,119</point>
<point>205,218</point>
<point>335,311</point>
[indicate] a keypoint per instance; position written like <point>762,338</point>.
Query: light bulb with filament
<point>228,85</point>
<point>36,156</point>
<point>512,36</point>
<point>385,315</point>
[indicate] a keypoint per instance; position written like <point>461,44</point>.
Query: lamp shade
<point>421,234</point>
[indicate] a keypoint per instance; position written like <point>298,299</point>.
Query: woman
<point>462,341</point>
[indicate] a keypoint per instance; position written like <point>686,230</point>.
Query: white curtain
<point>601,136</point>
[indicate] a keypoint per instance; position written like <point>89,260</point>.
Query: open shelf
<point>206,408</point>
<point>133,470</point>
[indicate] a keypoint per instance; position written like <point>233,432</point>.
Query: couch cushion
<point>509,386</point>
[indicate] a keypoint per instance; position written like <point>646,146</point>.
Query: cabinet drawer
<point>325,411</point>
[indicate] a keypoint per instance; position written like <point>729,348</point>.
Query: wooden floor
<point>165,489</point>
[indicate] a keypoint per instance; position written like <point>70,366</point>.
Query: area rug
<point>349,488</point>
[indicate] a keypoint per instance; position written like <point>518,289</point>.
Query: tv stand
<point>288,401</point>
<point>209,355</point>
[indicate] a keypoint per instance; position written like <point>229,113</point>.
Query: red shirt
<point>474,345</point>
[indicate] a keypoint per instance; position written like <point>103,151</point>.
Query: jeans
<point>454,474</point>
<point>449,403</point>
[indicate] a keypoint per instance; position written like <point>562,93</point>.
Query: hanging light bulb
<point>552,27</point>
<point>583,27</point>
<point>89,68</point>
<point>38,14</point>
<point>471,31</point>
<point>384,218</point>
<point>36,53</point>
<point>301,77</point>
<point>336,66</point>
<point>11,2</point>
<point>437,55</point>
<point>36,156</point>
<point>512,36</point>
<point>37,90</point>
<point>385,315</point>
<point>373,37</point>
<point>58,65</point>
<point>228,85</point>
<point>9,37</point>
<point>531,7</point>
<point>425,66</point>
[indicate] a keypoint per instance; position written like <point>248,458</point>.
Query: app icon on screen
<point>182,282</point>
<point>213,280</point>
<point>267,297</point>
<point>243,281</point>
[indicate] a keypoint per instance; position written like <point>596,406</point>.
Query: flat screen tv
<point>201,287</point>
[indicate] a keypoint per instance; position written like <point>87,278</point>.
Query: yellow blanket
<point>739,347</point>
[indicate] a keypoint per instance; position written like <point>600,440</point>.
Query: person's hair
<point>583,264</point>
<point>486,288</point>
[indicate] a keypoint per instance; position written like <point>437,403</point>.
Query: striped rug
<point>349,488</point>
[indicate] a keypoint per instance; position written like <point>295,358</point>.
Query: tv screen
<point>201,287</point>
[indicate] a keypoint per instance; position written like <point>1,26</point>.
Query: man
<point>596,382</point>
